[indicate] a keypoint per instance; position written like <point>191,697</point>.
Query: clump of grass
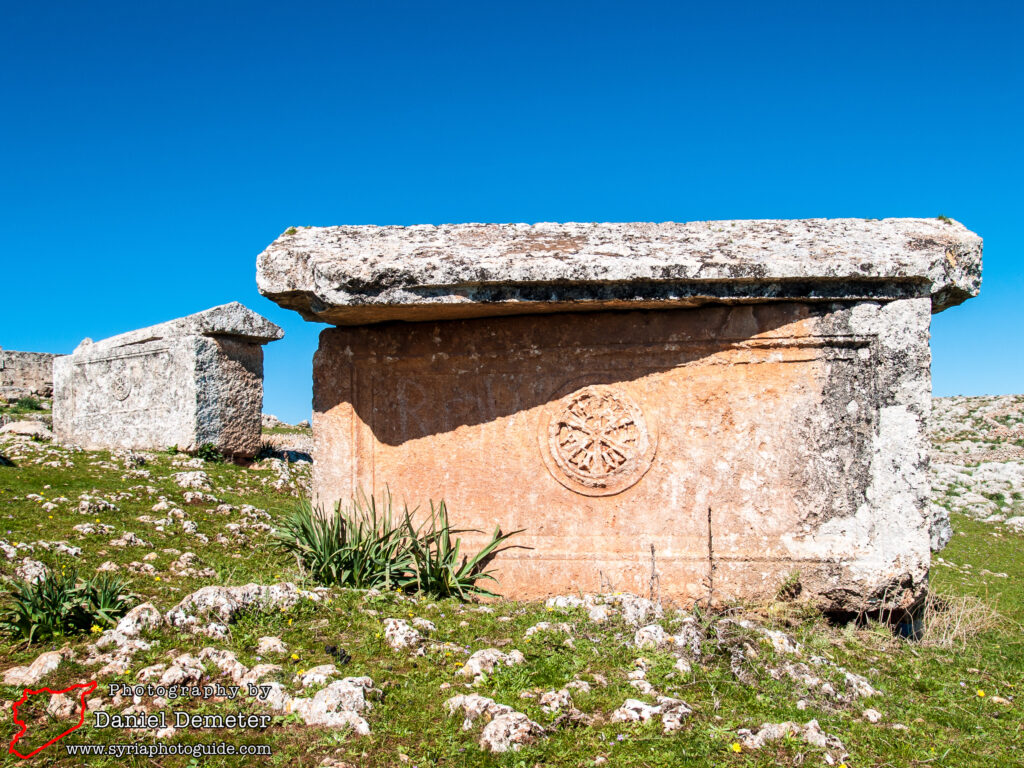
<point>369,546</point>
<point>210,453</point>
<point>28,404</point>
<point>60,604</point>
<point>438,570</point>
<point>790,588</point>
<point>267,450</point>
<point>362,547</point>
<point>952,620</point>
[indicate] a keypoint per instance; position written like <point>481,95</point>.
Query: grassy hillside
<point>950,700</point>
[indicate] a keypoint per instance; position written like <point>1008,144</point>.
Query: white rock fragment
<point>769,732</point>
<point>31,571</point>
<point>509,731</point>
<point>26,676</point>
<point>195,480</point>
<point>473,706</point>
<point>317,675</point>
<point>270,645</point>
<point>484,662</point>
<point>400,636</point>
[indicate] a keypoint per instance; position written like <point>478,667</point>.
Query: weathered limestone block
<point>363,274</point>
<point>26,373</point>
<point>186,382</point>
<point>762,418</point>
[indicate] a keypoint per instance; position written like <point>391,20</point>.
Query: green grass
<point>930,690</point>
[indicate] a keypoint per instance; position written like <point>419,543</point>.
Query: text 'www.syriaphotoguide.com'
<point>164,750</point>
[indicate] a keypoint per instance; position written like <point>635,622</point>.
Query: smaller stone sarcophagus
<point>23,374</point>
<point>186,382</point>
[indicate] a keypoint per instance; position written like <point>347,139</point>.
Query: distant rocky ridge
<point>978,457</point>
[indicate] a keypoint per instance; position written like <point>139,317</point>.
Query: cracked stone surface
<point>366,274</point>
<point>187,382</point>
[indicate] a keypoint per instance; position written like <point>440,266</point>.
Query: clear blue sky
<point>149,151</point>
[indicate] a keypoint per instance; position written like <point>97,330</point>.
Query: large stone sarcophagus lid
<point>706,410</point>
<point>187,382</point>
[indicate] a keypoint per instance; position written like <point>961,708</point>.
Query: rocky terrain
<point>223,625</point>
<point>978,457</point>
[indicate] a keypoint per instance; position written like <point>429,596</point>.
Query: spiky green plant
<point>363,546</point>
<point>370,546</point>
<point>209,452</point>
<point>60,604</point>
<point>108,597</point>
<point>436,556</point>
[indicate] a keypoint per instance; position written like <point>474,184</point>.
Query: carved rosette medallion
<point>596,441</point>
<point>120,382</point>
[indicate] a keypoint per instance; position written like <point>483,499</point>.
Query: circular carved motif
<point>597,441</point>
<point>120,383</point>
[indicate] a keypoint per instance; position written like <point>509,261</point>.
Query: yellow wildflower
<point>736,747</point>
<point>295,657</point>
<point>981,693</point>
<point>95,629</point>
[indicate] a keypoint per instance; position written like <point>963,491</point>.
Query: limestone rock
<point>61,706</point>
<point>186,670</point>
<point>509,731</point>
<point>198,480</point>
<point>337,705</point>
<point>132,624</point>
<point>317,675</point>
<point>223,603</point>
<point>43,665</point>
<point>267,645</point>
<point>634,711</point>
<point>474,706</point>
<point>31,571</point>
<point>365,274</point>
<point>769,732</point>
<point>186,382</point>
<point>27,429</point>
<point>484,662</point>
<point>24,374</point>
<point>400,636</point>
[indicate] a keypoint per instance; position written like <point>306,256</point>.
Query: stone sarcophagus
<point>24,374</point>
<point>186,382</point>
<point>705,411</point>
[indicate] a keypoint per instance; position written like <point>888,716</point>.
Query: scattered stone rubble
<point>977,466</point>
<point>484,662</point>
<point>810,732</point>
<point>219,605</point>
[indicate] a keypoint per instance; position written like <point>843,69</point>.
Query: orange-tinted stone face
<point>676,452</point>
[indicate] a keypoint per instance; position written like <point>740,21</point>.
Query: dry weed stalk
<point>951,620</point>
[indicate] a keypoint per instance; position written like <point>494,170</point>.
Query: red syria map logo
<point>85,688</point>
